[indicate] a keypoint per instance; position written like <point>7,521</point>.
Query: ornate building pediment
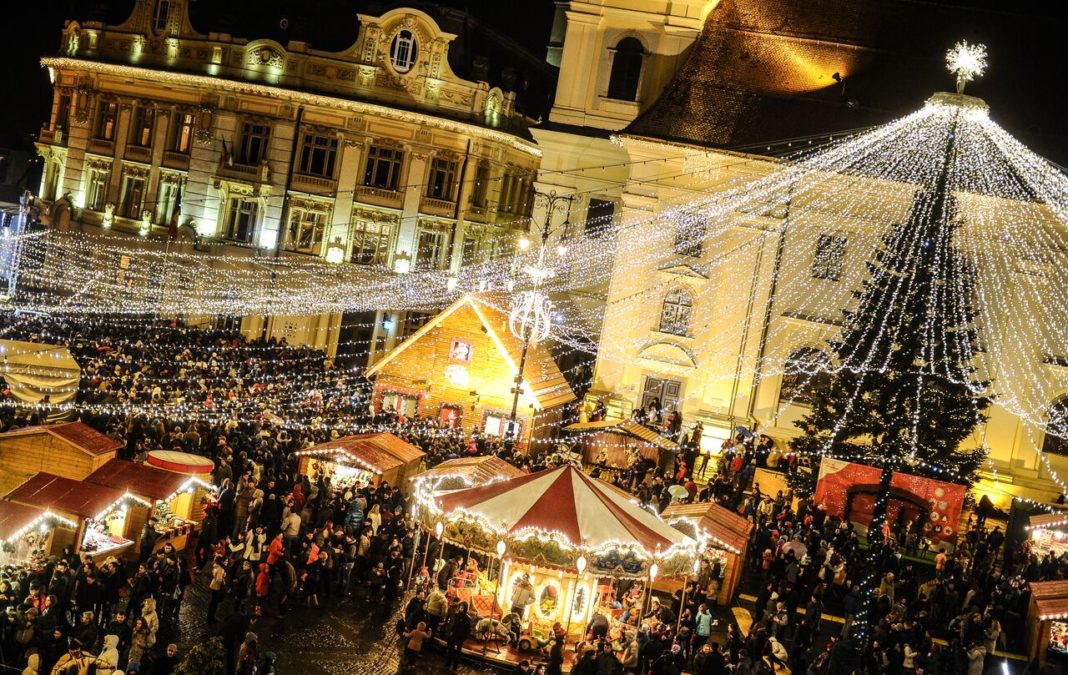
<point>668,353</point>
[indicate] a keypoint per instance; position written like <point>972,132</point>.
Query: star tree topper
<point>967,62</point>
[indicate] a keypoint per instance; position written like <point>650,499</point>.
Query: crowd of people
<point>276,542</point>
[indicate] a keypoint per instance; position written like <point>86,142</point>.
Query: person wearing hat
<point>77,661</point>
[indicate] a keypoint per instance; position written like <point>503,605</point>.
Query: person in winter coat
<point>976,655</point>
<point>141,640</point>
<point>277,550</point>
<point>32,664</point>
<point>110,652</point>
<point>263,584</point>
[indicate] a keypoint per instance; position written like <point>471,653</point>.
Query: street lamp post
<point>531,316</point>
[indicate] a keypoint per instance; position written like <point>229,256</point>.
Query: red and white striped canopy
<point>567,503</point>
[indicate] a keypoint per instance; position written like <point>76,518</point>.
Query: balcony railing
<point>379,196</point>
<point>52,136</point>
<point>102,147</point>
<point>314,184</point>
<point>176,160</point>
<point>138,153</point>
<point>437,207</point>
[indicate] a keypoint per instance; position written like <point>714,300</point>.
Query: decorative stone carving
<point>265,56</point>
<point>346,74</point>
<point>362,213</point>
<point>316,69</point>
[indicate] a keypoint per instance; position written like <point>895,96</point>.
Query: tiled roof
<point>639,431</point>
<point>14,517</point>
<point>474,470</point>
<point>762,70</point>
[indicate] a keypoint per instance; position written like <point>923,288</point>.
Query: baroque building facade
<point>378,154</point>
<point>730,85</point>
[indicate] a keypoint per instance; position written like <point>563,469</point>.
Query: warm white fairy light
<point>967,62</point>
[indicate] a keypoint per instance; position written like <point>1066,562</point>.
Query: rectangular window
<point>306,229</point>
<point>181,132</point>
<point>515,193</point>
<point>161,15</point>
<point>480,193</point>
<point>829,257</point>
<point>253,148</point>
<point>141,126</point>
<point>370,242</point>
<point>106,119</point>
<point>599,215</point>
<point>241,219</point>
<point>133,196</point>
<point>63,112</point>
<point>689,237</point>
<point>168,201</point>
<point>430,249</point>
<point>442,179</point>
<point>413,321</point>
<point>383,167</point>
<point>317,155</point>
<point>96,188</point>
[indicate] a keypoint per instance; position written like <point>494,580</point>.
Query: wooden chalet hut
<point>72,450</point>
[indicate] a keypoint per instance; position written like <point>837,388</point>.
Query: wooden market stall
<point>727,537</point>
<point>72,450</point>
<point>370,459</point>
<point>614,444</point>
<point>460,370</point>
<point>1047,621</point>
<point>173,497</point>
<point>190,466</point>
<point>467,472</point>
<point>26,533</point>
<point>101,513</point>
<point>1048,533</point>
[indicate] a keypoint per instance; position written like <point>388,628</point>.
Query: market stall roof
<point>56,493</point>
<point>15,517</point>
<point>354,450</point>
<point>725,527</point>
<point>1048,521</point>
<point>541,374</point>
<point>465,472</point>
<point>85,438</point>
<point>567,503</point>
<point>1051,599</point>
<point>138,479</point>
<point>393,445</point>
<point>34,370</point>
<point>628,427</point>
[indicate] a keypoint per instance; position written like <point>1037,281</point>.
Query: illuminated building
<point>377,155</point>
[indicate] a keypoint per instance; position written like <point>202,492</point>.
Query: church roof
<point>763,71</point>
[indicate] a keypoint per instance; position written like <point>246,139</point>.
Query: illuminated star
<point>967,62</point>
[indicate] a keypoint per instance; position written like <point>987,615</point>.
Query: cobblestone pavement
<point>342,637</point>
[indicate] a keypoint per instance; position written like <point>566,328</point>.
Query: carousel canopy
<point>565,503</point>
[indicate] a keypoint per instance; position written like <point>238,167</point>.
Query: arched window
<point>1056,440</point>
<point>626,69</point>
<point>804,373</point>
<point>675,313</point>
<point>402,51</point>
<point>161,15</point>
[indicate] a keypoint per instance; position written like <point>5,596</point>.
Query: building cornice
<point>332,102</point>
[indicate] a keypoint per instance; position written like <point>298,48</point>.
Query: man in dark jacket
<point>459,631</point>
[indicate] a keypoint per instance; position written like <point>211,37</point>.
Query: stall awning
<point>15,519</point>
<point>629,427</point>
<point>138,479</point>
<point>466,472</point>
<point>64,495</point>
<point>1048,521</point>
<point>355,451</point>
<point>724,526</point>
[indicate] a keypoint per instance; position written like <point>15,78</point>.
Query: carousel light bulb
<point>580,564</point>
<point>654,569</point>
<point>501,548</point>
<point>439,528</point>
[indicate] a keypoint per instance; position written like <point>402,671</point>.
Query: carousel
<point>565,547</point>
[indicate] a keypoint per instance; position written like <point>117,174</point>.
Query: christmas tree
<point>904,392</point>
